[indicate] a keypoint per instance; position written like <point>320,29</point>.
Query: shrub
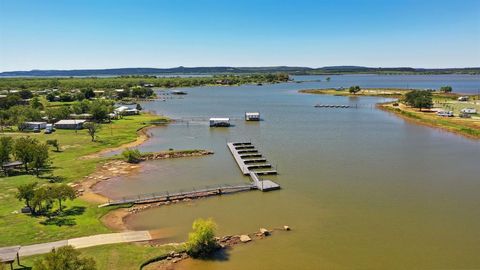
<point>64,258</point>
<point>201,241</point>
<point>132,155</point>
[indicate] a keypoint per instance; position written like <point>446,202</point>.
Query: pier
<point>181,195</point>
<point>253,164</point>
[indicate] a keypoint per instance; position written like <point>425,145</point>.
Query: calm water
<point>362,189</point>
<point>460,83</point>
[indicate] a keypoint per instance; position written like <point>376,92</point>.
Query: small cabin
<point>219,122</point>
<point>252,116</point>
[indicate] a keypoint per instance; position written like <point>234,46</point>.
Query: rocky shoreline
<point>169,261</point>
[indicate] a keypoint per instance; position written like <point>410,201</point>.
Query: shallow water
<point>361,188</point>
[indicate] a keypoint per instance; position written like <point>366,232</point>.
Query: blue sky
<point>77,34</point>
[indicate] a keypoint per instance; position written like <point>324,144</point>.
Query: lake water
<point>469,84</point>
<point>361,188</point>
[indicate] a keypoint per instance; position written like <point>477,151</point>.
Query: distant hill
<point>234,70</point>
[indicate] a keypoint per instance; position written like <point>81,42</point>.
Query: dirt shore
<point>142,136</point>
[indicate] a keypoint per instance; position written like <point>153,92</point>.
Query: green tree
<point>9,101</point>
<point>50,97</point>
<point>24,148</point>
<point>36,104</point>
<point>58,113</point>
<point>40,158</point>
<point>92,129</point>
<point>354,89</point>
<point>99,111</point>
<point>446,89</point>
<point>55,144</point>
<point>42,200</point>
<point>25,94</point>
<point>62,193</point>
<point>419,99</point>
<point>201,241</point>
<point>26,192</point>
<point>64,258</point>
<point>6,148</point>
<point>88,93</point>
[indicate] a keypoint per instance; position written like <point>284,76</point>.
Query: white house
<point>219,122</point>
<point>124,110</point>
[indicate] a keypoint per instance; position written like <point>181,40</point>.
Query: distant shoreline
<point>225,70</point>
<point>460,126</point>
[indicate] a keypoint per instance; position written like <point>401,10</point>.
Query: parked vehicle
<point>465,115</point>
<point>36,130</point>
<point>49,129</point>
<point>445,113</point>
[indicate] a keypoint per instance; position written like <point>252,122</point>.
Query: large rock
<point>245,238</point>
<point>264,231</point>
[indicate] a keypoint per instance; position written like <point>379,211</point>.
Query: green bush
<point>132,155</point>
<point>201,241</point>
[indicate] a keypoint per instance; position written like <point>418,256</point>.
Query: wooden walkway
<point>252,163</point>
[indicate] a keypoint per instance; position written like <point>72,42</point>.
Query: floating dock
<point>331,106</point>
<point>253,164</point>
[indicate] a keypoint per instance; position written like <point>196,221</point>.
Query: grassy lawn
<point>81,218</point>
<point>118,256</point>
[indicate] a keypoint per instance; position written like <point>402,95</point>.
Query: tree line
<point>131,81</point>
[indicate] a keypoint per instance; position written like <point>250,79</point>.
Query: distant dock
<point>253,164</point>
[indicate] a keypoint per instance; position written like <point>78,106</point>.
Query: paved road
<point>88,241</point>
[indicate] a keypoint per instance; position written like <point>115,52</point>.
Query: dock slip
<point>252,163</point>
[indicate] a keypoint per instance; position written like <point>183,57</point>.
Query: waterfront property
<point>219,122</point>
<point>252,116</point>
<point>124,110</point>
<point>70,124</point>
